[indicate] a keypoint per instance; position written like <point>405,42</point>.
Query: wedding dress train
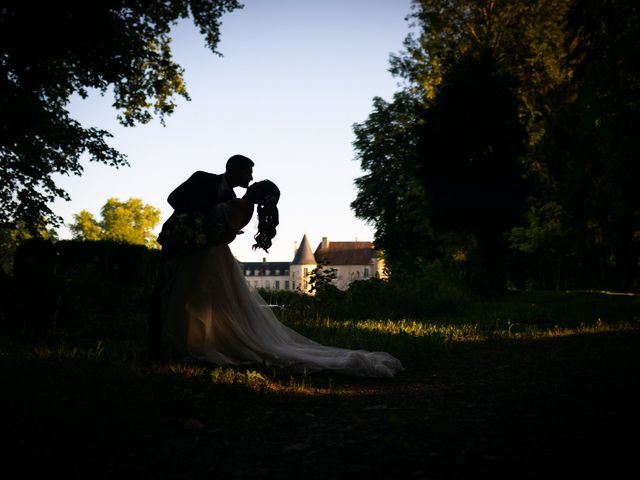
<point>211,314</point>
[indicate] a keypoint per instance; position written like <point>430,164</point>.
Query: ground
<point>559,407</point>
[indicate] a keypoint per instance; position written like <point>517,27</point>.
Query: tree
<point>592,147</point>
<point>322,276</point>
<point>570,68</point>
<point>544,233</point>
<point>50,51</point>
<point>389,195</point>
<point>525,42</point>
<point>126,222</point>
<point>468,160</point>
<point>85,227</point>
<point>11,236</point>
<point>526,38</point>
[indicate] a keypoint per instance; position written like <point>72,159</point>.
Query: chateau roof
<point>261,268</point>
<point>264,265</point>
<point>304,255</point>
<point>346,253</point>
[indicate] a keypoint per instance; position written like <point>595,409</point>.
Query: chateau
<point>351,260</point>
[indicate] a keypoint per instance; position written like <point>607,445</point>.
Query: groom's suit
<point>199,193</point>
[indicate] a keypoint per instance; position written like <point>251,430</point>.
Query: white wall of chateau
<point>346,274</point>
<point>300,276</point>
<point>270,282</point>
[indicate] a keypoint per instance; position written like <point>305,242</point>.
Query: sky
<point>294,77</point>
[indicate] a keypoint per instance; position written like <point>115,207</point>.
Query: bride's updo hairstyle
<point>266,195</point>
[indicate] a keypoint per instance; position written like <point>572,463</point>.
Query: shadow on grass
<point>523,389</point>
<point>512,406</point>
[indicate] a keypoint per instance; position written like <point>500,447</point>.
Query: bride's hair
<point>267,195</point>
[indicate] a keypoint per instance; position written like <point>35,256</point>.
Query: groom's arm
<point>187,197</point>
<point>179,198</point>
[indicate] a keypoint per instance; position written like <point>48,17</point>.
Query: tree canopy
<point>127,222</point>
<point>50,51</point>
<point>515,127</point>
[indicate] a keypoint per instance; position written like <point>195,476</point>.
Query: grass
<point>521,385</point>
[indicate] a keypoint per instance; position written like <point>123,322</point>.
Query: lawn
<point>520,386</point>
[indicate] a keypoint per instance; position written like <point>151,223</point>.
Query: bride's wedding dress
<point>211,314</point>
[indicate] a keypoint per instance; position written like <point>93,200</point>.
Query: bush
<point>432,291</point>
<point>118,261</point>
<point>84,290</point>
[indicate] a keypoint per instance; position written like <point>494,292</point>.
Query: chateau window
<point>267,284</point>
<point>306,272</point>
<point>247,272</point>
<point>366,272</point>
<point>286,284</point>
<point>277,285</point>
<point>268,272</point>
<point>277,272</point>
<point>256,272</point>
<point>286,272</point>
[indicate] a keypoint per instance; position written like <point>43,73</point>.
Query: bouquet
<point>188,231</point>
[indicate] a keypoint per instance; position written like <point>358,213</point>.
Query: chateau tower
<point>303,264</point>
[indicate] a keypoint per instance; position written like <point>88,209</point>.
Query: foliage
<point>527,38</point>
<point>127,222</point>
<point>467,160</point>
<point>85,227</point>
<point>321,277</point>
<point>434,290</point>
<point>470,143</point>
<point>453,38</point>
<point>81,288</point>
<point>11,236</point>
<point>592,145</point>
<point>545,227</point>
<point>50,51</point>
<point>546,92</point>
<point>389,196</point>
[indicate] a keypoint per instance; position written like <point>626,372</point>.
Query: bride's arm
<point>234,214</point>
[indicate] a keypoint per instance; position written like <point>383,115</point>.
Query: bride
<point>211,314</point>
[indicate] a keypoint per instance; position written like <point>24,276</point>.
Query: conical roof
<point>304,255</point>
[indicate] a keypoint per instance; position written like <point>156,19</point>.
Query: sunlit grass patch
<point>438,331</point>
<point>71,352</point>
<point>258,381</point>
<point>599,326</point>
<point>488,328</point>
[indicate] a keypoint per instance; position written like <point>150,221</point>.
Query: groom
<point>199,193</point>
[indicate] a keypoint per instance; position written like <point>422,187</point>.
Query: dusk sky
<point>295,76</point>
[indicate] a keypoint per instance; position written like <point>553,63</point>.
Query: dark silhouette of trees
<point>52,50</point>
<point>519,149</point>
<point>468,160</point>
<point>390,197</point>
<point>592,148</point>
